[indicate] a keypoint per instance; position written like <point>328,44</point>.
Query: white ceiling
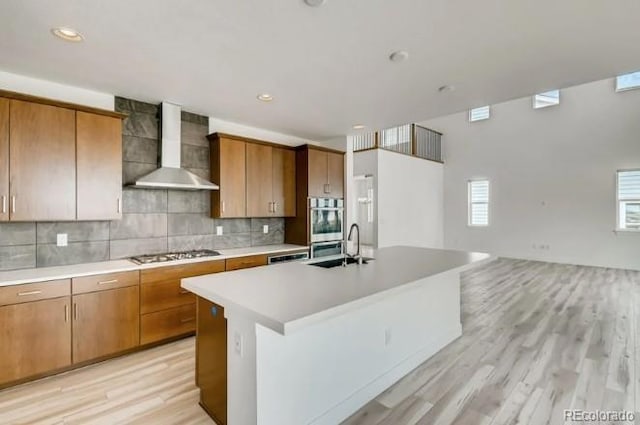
<point>327,67</point>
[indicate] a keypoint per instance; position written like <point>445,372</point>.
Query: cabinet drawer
<point>172,273</point>
<point>17,294</point>
<point>167,323</point>
<point>163,296</point>
<point>246,262</point>
<point>102,282</point>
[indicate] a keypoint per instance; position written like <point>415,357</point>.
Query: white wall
<point>408,198</point>
<point>222,126</point>
<point>47,89</point>
<point>552,174</point>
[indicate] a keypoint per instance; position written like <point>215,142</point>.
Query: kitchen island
<point>308,345</point>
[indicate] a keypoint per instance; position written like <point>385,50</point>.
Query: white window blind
<point>479,203</point>
<point>479,114</point>
<point>628,185</point>
<point>550,98</point>
<point>628,81</point>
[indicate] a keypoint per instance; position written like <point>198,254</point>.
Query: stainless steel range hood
<point>170,175</point>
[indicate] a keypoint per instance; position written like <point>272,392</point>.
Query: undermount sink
<point>338,262</point>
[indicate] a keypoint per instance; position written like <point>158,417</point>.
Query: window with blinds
<point>479,203</point>
<point>550,98</point>
<point>479,114</point>
<point>628,188</point>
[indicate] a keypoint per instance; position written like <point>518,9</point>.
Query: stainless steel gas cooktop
<point>173,256</point>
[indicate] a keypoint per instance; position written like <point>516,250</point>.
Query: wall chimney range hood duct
<point>170,175</point>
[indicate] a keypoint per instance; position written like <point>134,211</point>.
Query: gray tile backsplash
<point>153,221</point>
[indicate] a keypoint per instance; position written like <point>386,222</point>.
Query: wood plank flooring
<point>537,338</point>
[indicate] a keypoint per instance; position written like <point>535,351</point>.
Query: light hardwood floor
<point>537,338</point>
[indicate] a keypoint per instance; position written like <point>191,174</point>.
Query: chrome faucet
<point>350,237</point>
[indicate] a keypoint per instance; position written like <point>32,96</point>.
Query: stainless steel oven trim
<point>326,237</point>
<point>334,242</point>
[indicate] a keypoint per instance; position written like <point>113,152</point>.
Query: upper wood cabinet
<point>42,162</point>
<point>326,174</point>
<point>257,179</point>
<point>58,161</point>
<point>271,190</point>
<point>284,182</point>
<point>99,166</point>
<point>4,159</point>
<point>228,170</point>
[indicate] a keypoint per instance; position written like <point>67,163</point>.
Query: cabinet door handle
<point>24,294</point>
<point>222,205</point>
<point>275,206</point>
<point>106,282</point>
<point>187,320</point>
<point>119,206</point>
<point>66,313</point>
<point>75,311</point>
<point>13,204</point>
<point>184,292</point>
<point>4,204</point>
<point>327,188</point>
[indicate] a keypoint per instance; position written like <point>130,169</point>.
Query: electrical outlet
<point>265,229</point>
<point>387,337</point>
<point>237,343</point>
<point>219,230</point>
<point>61,239</point>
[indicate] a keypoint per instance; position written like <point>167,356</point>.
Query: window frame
<point>470,204</point>
<point>480,119</point>
<point>618,201</point>
<point>620,90</point>
<point>534,100</point>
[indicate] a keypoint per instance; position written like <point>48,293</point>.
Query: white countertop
<point>286,297</point>
<point>18,277</point>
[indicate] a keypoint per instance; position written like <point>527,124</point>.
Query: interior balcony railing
<point>408,139</point>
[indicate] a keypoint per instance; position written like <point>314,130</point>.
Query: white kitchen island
<point>309,345</point>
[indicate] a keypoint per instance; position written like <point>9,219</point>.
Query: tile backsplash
<point>153,221</point>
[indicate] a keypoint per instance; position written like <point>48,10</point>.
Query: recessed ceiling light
<point>399,56</point>
<point>265,97</point>
<point>314,3</point>
<point>445,88</point>
<point>358,126</point>
<point>67,34</point>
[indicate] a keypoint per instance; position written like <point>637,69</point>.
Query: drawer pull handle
<point>24,294</point>
<point>187,320</point>
<point>106,282</point>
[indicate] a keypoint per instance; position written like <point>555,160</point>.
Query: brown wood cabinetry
<point>319,174</point>
<point>35,335</point>
<point>167,310</point>
<point>99,166</point>
<point>326,174</point>
<point>246,262</point>
<point>42,162</point>
<point>106,314</point>
<point>35,338</point>
<point>259,180</point>
<point>284,182</point>
<point>228,170</point>
<point>211,359</point>
<point>58,161</point>
<point>4,159</point>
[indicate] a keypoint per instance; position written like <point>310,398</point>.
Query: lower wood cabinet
<point>211,359</point>
<point>167,310</point>
<point>246,262</point>
<point>35,338</point>
<point>105,322</point>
